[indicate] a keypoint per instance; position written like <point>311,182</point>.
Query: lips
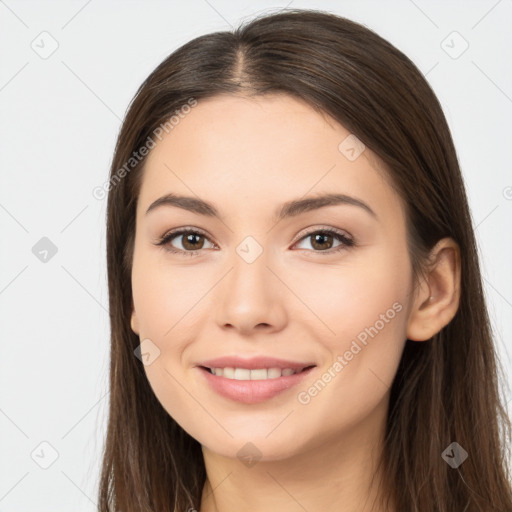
<point>253,380</point>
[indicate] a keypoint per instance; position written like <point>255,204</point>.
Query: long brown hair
<point>446,389</point>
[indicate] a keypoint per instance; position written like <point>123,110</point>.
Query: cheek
<point>354,295</point>
<point>367,310</point>
<point>164,303</point>
<point>163,295</point>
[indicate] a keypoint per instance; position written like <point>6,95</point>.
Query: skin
<point>247,156</point>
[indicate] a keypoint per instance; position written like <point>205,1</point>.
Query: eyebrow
<point>288,209</point>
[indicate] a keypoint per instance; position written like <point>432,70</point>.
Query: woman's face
<point>261,278</point>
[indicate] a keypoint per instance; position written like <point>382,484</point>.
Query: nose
<point>251,298</point>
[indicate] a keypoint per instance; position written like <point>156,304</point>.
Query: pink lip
<point>252,391</point>
<point>253,363</point>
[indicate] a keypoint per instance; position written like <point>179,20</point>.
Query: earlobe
<point>134,324</point>
<point>439,294</point>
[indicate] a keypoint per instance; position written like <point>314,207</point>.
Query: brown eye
<point>191,242</point>
<point>323,240</point>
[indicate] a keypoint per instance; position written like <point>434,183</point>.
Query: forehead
<point>250,153</point>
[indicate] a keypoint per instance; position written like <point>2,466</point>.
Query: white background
<point>59,118</point>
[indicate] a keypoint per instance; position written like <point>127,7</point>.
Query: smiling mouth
<point>255,374</point>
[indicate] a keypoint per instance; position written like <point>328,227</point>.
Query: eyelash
<point>165,239</point>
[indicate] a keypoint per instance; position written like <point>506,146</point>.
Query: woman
<point>250,372</point>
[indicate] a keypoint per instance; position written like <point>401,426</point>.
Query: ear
<point>134,324</point>
<point>438,293</point>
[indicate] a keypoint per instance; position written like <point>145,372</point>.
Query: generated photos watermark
<point>342,360</point>
<point>100,192</point>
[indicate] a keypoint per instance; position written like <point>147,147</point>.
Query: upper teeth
<point>257,374</point>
